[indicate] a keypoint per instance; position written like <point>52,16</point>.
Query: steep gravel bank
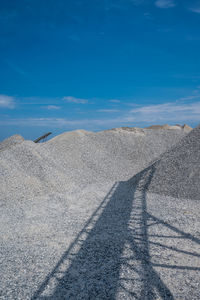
<point>177,172</point>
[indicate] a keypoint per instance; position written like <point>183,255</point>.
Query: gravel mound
<point>185,127</point>
<point>11,141</point>
<point>177,172</point>
<point>75,159</point>
<point>69,135</point>
<point>135,130</point>
<point>107,155</point>
<point>74,226</point>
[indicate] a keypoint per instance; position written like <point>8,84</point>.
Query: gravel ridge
<point>75,159</point>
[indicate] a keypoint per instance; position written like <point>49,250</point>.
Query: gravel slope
<point>78,223</point>
<point>177,172</point>
<point>75,159</point>
<point>11,141</point>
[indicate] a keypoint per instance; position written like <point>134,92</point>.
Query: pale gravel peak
<point>11,141</point>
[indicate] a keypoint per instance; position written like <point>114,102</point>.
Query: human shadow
<point>110,257</point>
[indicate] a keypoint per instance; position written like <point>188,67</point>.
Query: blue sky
<point>97,64</point>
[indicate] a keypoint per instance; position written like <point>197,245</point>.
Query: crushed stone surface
<point>177,172</point>
<point>80,218</point>
<point>11,141</point>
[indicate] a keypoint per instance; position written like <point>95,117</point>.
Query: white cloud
<point>61,122</point>
<point>193,76</point>
<point>195,7</point>
<point>53,107</point>
<point>165,3</point>
<point>167,112</point>
<point>75,100</point>
<point>39,122</point>
<point>167,108</point>
<point>196,91</point>
<point>170,112</point>
<point>7,101</point>
<point>114,101</point>
<point>108,110</point>
<point>148,16</point>
<point>189,97</point>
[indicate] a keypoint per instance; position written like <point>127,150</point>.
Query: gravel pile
<point>75,159</point>
<point>185,127</point>
<point>75,226</point>
<point>11,141</point>
<point>110,155</point>
<point>177,172</point>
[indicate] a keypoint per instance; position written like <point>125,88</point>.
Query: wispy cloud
<point>59,122</point>
<point>195,8</point>
<point>43,122</point>
<point>165,3</point>
<point>75,100</point>
<point>148,16</point>
<point>53,107</point>
<point>167,107</point>
<point>189,97</point>
<point>14,67</point>
<point>167,112</point>
<point>7,101</point>
<point>171,113</point>
<point>108,110</point>
<point>114,101</point>
<point>192,76</point>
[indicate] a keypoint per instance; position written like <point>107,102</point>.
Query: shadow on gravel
<point>110,257</point>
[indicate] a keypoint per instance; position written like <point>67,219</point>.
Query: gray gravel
<point>78,223</point>
<point>11,141</point>
<point>75,159</point>
<point>177,172</point>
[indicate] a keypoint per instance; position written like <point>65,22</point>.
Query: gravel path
<point>78,223</point>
